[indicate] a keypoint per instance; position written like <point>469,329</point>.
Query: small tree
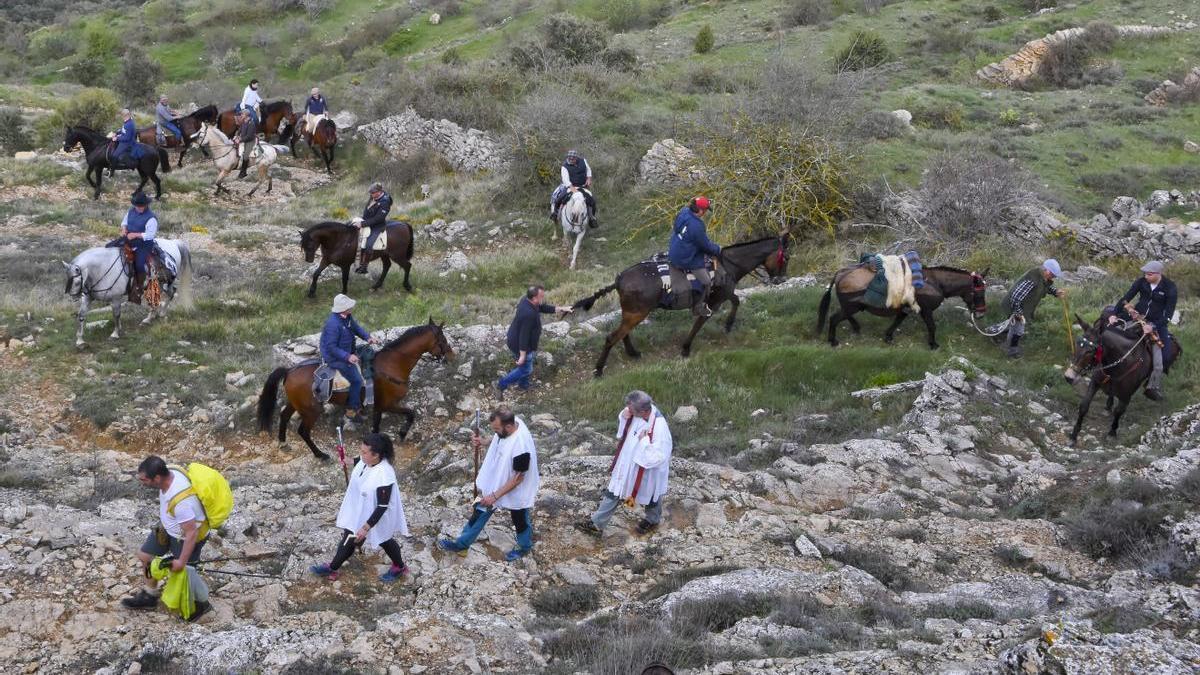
<point>95,108</point>
<point>14,136</point>
<point>704,40</point>
<point>139,76</point>
<point>87,70</point>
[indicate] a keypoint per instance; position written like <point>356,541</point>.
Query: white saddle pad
<point>380,241</point>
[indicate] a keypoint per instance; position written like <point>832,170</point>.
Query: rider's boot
<point>699,306</point>
<point>1154,386</point>
<point>363,258</point>
<point>245,165</point>
<point>135,290</point>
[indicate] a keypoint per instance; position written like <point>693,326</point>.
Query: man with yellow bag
<point>191,501</point>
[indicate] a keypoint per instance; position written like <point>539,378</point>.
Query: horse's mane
<point>328,224</point>
<point>205,111</point>
<point>269,108</point>
<point>407,335</point>
<point>774,237</point>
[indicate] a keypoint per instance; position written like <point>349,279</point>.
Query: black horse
<point>189,124</point>
<point>96,150</point>
<point>641,291</point>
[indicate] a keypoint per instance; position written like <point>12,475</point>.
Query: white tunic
<point>497,469</point>
<point>250,98</point>
<point>648,446</point>
<point>359,503</point>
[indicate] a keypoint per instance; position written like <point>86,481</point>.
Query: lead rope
<point>1003,326</point>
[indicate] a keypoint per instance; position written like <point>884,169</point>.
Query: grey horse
<point>98,275</point>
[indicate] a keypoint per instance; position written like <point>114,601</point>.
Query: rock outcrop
<point>464,149</point>
<point>1168,91</point>
<point>668,162</point>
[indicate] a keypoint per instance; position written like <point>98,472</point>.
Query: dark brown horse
<point>393,364</point>
<point>276,119</point>
<point>641,291</point>
<point>940,283</point>
<point>321,141</point>
<point>1120,363</point>
<point>338,244</point>
<point>188,124</point>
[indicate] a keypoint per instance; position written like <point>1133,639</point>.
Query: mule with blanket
<point>860,288</point>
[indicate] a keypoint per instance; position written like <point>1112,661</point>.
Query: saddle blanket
<point>328,381</point>
<point>892,286</point>
<point>380,241</point>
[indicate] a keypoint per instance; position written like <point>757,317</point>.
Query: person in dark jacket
<point>315,107</point>
<point>374,218</point>
<point>337,349</point>
<point>1024,297</point>
<point>576,175</point>
<point>244,139</point>
<point>125,138</point>
<point>523,335</point>
<point>1156,297</point>
<point>689,245</point>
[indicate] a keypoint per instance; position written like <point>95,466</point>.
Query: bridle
<point>77,273</point>
<point>978,294</point>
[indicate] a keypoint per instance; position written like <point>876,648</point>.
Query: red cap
<point>702,203</point>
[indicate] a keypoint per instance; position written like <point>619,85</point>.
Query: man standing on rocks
<point>178,534</point>
<point>1023,299</point>
<point>507,479</point>
<point>1156,297</point>
<point>523,335</point>
<point>639,471</point>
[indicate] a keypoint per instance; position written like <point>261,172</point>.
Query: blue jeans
<point>479,517</point>
<point>253,114</point>
<point>354,396</point>
<point>520,374</point>
<point>608,506</point>
<point>171,127</point>
<point>142,250</point>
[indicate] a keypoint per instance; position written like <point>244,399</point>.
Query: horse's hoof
<point>81,346</point>
<point>322,457</point>
<point>114,336</point>
<point>635,355</point>
<point>934,345</point>
<point>1111,434</point>
<point>597,372</point>
<point>1071,443</point>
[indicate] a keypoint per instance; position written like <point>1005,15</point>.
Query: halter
<point>91,290</point>
<point>978,293</point>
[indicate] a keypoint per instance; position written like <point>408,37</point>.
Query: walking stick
<point>1067,320</point>
<point>475,452</point>
<point>341,451</point>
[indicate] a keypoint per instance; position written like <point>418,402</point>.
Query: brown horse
<point>393,364</point>
<point>188,124</point>
<point>338,243</point>
<point>940,283</point>
<point>1124,364</point>
<point>276,119</point>
<point>321,141</point>
<point>641,291</point>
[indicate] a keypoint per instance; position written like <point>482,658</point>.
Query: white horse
<point>224,156</point>
<point>98,275</point>
<point>573,216</point>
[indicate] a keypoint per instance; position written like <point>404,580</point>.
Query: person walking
<point>523,335</point>
<point>508,479</point>
<point>372,511</point>
<point>1024,297</point>
<point>640,468</point>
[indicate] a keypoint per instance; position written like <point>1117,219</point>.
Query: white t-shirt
<point>186,510</point>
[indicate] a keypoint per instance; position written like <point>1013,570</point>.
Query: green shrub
<point>623,59</point>
<point>138,76</point>
<point>992,13</point>
<point>87,70</point>
<point>400,42</point>
<point>952,39</point>
<point>99,41</point>
<point>95,108</point>
<point>865,49</point>
<point>323,66</point>
<point>623,16</point>
<point>1010,117</point>
<point>51,44</point>
<point>369,56</point>
<point>939,114</point>
<point>451,57</point>
<point>807,12</point>
<point>14,134</point>
<point>576,40</point>
<point>705,40</point>
<point>229,63</point>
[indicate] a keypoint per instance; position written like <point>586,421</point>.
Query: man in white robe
<point>641,467</point>
<point>508,479</point>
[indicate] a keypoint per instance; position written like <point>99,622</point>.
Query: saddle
<point>380,241</point>
<point>671,277</point>
<point>327,381</point>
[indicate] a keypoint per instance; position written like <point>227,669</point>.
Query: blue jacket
<point>315,106</point>
<point>689,241</point>
<point>337,338</point>
<point>376,211</point>
<point>126,136</point>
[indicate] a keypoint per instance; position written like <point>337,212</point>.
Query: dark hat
<point>140,199</point>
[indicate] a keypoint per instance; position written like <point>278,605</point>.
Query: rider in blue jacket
<point>689,245</point>
<point>337,349</point>
<point>125,137</point>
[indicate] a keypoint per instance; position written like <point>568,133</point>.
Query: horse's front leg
<point>80,319</point>
<point>686,350</point>
<point>145,178</point>
<point>116,309</point>
<point>99,182</point>
<point>1086,403</point>
<point>578,244</point>
<point>891,331</point>
<point>312,288</point>
<point>346,279</point>
<point>930,328</point>
<point>1122,404</point>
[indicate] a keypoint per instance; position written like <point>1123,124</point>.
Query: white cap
<point>342,303</point>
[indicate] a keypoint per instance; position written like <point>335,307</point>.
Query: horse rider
<point>1156,297</point>
<point>164,118</point>
<point>576,175</point>
<point>374,218</point>
<point>337,349</point>
<point>251,101</point>
<point>1023,299</point>
<point>688,247</point>
<point>244,139</point>
<point>314,110</point>
<point>125,137</point>
<point>138,229</point>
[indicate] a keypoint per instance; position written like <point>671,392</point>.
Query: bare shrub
<point>548,123</point>
<point>561,38</point>
<point>1122,619</point>
<point>968,195</point>
<point>480,97</point>
<point>1073,62</point>
<point>627,644</point>
<point>791,94</point>
<point>807,13</point>
<point>627,15</point>
<point>562,600</point>
<point>881,125</point>
<point>877,565</point>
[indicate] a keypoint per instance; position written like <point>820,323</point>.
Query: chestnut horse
<point>276,119</point>
<point>320,141</point>
<point>393,364</point>
<point>189,124</point>
<point>338,244</point>
<point>641,291</point>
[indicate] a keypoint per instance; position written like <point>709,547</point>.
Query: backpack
<point>211,488</point>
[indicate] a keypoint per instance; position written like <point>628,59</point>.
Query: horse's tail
<point>281,149</point>
<point>164,161</point>
<point>412,240</point>
<point>586,303</point>
<point>185,276</point>
<point>823,311</point>
<point>266,400</point>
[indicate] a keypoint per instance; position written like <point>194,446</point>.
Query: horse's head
<point>1086,354</point>
<point>70,139</point>
<point>74,280</point>
<point>441,349</point>
<point>328,130</point>
<point>309,245</point>
<point>977,301</point>
<point>777,262</point>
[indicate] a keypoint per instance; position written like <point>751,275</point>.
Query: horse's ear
<point>431,323</point>
<point>65,264</point>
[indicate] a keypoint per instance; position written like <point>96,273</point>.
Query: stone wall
<point>1023,65</point>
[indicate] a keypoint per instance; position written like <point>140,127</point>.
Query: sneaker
<point>324,570</point>
<point>453,547</point>
<point>1014,352</point>
<point>394,573</point>
<point>517,554</point>
<point>586,526</point>
<point>1153,394</point>
<point>646,527</point>
<point>202,608</point>
<point>140,600</point>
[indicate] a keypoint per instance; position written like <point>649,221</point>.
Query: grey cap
<point>375,187</point>
<point>1153,266</point>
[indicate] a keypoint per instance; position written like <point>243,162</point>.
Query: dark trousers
<point>354,396</point>
<point>347,544</point>
<point>142,250</point>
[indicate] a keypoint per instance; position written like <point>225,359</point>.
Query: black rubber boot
<point>245,165</point>
<point>140,600</point>
<point>364,257</point>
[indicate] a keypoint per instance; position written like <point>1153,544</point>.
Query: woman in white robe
<point>372,512</point>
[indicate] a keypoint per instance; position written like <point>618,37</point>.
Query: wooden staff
<point>1067,322</point>
<point>475,449</point>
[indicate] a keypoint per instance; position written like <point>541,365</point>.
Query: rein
<point>91,290</point>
